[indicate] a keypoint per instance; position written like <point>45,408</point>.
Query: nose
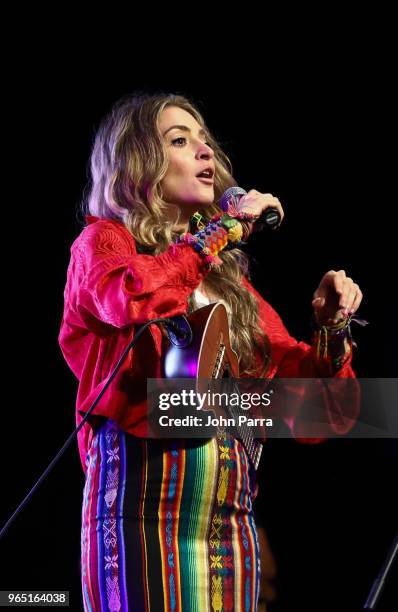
<point>204,151</point>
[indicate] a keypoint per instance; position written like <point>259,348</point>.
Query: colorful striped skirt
<point>167,525</point>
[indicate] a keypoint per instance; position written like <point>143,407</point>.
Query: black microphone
<point>269,218</point>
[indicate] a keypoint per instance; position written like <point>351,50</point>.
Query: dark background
<point>315,132</point>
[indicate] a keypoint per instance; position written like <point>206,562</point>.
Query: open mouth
<point>206,175</point>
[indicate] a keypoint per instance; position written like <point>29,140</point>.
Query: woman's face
<point>189,156</point>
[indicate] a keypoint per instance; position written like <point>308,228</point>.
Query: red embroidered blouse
<point>111,288</point>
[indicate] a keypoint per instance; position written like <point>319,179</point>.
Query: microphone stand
<point>180,333</point>
<point>378,584</point>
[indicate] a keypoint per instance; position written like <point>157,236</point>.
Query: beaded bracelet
<point>323,334</point>
<point>214,237</point>
<point>196,220</point>
<point>200,247</point>
<point>233,227</point>
<point>246,219</point>
<point>337,353</point>
<point>234,236</point>
<point>329,339</point>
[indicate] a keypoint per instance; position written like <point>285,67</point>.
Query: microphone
<point>269,218</point>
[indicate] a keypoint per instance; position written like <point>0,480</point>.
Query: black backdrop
<point>317,138</point>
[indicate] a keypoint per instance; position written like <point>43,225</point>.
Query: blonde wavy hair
<point>128,162</point>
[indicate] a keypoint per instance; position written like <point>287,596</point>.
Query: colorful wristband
<point>334,343</point>
<point>214,237</point>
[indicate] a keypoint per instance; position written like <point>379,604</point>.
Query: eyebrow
<point>184,128</point>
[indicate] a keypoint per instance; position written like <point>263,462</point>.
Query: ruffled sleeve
<point>293,359</point>
<point>108,282</point>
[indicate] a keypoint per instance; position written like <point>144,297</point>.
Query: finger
<point>330,274</point>
<point>325,281</point>
<point>353,297</point>
<point>254,192</point>
<point>351,289</point>
<point>339,281</point>
<point>271,202</point>
<point>318,302</point>
<point>357,301</point>
<point>350,302</point>
<point>278,205</point>
<point>347,295</point>
<point>247,202</point>
<point>267,200</point>
<point>255,202</point>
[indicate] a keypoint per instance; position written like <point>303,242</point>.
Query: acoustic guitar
<point>208,355</point>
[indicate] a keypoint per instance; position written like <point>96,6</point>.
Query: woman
<point>168,525</point>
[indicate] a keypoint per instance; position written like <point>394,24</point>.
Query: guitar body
<point>209,355</point>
